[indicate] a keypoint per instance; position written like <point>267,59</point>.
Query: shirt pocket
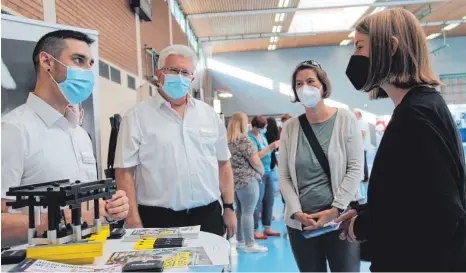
<point>207,136</point>
<point>89,165</point>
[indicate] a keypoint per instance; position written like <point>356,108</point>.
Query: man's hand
<point>117,208</point>
<point>229,218</point>
<point>322,217</point>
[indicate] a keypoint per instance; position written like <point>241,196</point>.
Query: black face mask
<point>358,70</point>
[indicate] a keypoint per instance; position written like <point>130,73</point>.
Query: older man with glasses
<point>177,147</point>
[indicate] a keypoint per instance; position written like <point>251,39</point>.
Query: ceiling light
<point>282,17</point>
<point>285,3</point>
<point>279,17</point>
<point>277,28</point>
<point>345,42</point>
<point>351,35</point>
<point>273,39</point>
<point>225,95</point>
<point>464,18</point>
<point>450,26</point>
<point>433,35</point>
<point>378,9</point>
<point>272,47</point>
<point>280,3</point>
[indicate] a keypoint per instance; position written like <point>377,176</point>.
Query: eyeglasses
<point>176,71</point>
<point>310,63</point>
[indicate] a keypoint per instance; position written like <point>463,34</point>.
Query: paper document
<point>33,265</point>
<point>329,227</point>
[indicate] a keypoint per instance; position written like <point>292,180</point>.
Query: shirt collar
<point>46,112</point>
<point>160,101</point>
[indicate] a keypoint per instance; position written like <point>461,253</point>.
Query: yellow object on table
<point>78,254</point>
<point>102,236</point>
<point>145,243</point>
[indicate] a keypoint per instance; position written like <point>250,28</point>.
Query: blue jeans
<point>266,199</point>
<point>246,201</point>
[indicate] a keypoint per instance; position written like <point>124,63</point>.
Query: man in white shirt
<point>364,127</point>
<point>42,140</point>
<point>177,148</point>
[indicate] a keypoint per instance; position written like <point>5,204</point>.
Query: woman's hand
<point>275,145</point>
<point>347,226</point>
<point>304,219</point>
<point>323,218</point>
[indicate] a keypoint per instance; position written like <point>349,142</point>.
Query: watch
<point>228,206</point>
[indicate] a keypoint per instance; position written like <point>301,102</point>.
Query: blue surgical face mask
<point>78,85</point>
<point>176,86</point>
<point>264,130</point>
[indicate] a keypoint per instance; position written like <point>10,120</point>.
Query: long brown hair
<point>405,64</point>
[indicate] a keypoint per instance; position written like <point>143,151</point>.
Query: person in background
<point>364,127</point>
<point>272,135</point>
<point>415,218</point>
<point>247,173</point>
<point>284,118</point>
<point>176,149</point>
<point>266,196</point>
<point>316,194</point>
<point>42,140</point>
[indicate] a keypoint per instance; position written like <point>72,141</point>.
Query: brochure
<point>33,265</point>
<point>172,257</point>
<point>178,232</point>
<point>329,227</point>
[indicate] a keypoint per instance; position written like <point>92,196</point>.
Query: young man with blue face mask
<point>178,148</point>
<point>42,140</point>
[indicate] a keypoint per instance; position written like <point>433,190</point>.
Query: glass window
<point>183,24</point>
<point>172,4</point>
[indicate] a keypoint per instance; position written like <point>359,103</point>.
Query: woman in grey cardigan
<point>313,198</point>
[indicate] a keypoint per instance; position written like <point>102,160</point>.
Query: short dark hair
<point>321,76</point>
<point>54,42</point>
<point>258,122</point>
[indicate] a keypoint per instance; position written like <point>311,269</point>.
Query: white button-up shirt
<point>40,145</point>
<point>176,159</point>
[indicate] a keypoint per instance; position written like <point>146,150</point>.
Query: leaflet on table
<point>178,232</point>
<point>329,227</point>
<point>172,257</point>
<point>33,265</point>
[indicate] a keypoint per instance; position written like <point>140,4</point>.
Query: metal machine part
<point>54,196</point>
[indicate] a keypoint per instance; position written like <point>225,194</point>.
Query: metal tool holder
<point>55,196</point>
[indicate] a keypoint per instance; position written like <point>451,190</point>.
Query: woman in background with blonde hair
<point>247,173</point>
<point>415,218</point>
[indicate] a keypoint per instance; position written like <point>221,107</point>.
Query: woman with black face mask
<point>415,216</point>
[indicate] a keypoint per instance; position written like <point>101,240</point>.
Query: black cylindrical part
<point>52,217</point>
<point>32,222</point>
<point>96,209</point>
<point>76,216</point>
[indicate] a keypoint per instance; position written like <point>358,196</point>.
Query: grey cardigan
<point>346,160</point>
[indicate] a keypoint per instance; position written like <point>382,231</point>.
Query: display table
<point>216,247</point>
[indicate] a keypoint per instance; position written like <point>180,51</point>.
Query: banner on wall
<point>19,37</point>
